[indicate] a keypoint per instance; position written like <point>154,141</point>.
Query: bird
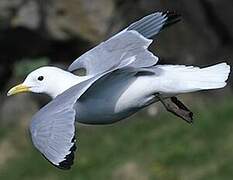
<point>122,77</point>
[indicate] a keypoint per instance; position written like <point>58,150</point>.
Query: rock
<point>28,15</point>
<point>87,18</point>
<point>7,9</point>
<point>19,13</point>
<point>60,19</point>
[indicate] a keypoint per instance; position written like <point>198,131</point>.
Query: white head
<point>49,80</point>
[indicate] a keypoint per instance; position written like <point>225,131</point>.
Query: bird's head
<point>49,80</point>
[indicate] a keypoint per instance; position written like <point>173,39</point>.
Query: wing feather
<point>131,42</point>
<point>53,127</point>
<point>112,52</point>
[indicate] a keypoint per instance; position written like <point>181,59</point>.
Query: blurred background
<point>151,145</point>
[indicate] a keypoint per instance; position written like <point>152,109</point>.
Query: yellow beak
<point>18,89</point>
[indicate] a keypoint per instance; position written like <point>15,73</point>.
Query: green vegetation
<point>163,148</point>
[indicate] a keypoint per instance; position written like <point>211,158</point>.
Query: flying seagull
<point>121,78</point>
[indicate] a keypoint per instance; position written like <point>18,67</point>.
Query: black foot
<point>183,111</point>
<point>177,108</point>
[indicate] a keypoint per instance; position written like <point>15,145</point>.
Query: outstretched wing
<point>112,52</point>
<point>131,42</point>
<point>53,127</point>
<point>53,134</point>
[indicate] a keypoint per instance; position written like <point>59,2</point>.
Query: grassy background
<point>142,148</point>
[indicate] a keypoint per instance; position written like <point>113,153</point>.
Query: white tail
<point>189,79</point>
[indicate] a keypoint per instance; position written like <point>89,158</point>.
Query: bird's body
<point>122,78</point>
<point>124,92</point>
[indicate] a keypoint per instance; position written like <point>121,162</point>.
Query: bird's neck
<point>66,81</point>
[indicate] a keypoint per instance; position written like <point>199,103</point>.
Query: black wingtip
<point>172,18</point>
<point>69,159</point>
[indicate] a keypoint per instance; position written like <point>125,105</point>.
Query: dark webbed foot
<point>177,108</point>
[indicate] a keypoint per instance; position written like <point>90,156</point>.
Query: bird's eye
<point>40,78</point>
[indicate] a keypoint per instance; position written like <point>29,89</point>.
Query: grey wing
<point>53,127</point>
<point>111,53</point>
<point>130,43</point>
<point>152,24</point>
<point>53,137</point>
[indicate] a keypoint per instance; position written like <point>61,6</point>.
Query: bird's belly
<point>113,103</point>
<point>101,112</point>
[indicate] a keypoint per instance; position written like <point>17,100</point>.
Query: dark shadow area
<point>18,43</point>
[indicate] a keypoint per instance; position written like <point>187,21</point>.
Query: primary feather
<point>152,24</point>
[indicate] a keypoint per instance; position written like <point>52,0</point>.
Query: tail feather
<point>190,79</point>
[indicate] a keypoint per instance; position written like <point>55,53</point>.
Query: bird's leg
<point>177,108</point>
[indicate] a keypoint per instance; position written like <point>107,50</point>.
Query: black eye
<point>40,78</point>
